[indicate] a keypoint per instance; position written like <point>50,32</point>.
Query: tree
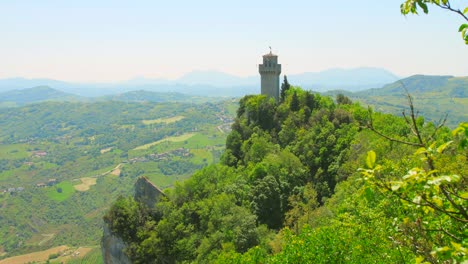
<point>310,100</point>
<point>342,99</point>
<point>284,88</point>
<point>294,105</point>
<point>266,202</point>
<point>412,6</point>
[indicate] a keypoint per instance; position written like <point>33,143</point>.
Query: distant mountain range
<point>212,83</point>
<point>434,96</point>
<point>45,93</point>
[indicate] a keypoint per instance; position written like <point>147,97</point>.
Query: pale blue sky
<point>111,40</point>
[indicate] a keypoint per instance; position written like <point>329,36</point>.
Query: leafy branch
<point>435,197</point>
<point>412,6</point>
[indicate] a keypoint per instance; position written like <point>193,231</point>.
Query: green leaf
<point>465,11</point>
<point>456,246</point>
<point>420,151</point>
<point>419,260</point>
<point>396,186</point>
<point>442,147</point>
<point>370,160</point>
<point>462,27</point>
<point>442,249</point>
<point>437,201</point>
<point>369,194</point>
<point>423,6</point>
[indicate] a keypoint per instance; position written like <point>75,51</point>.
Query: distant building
<point>52,182</point>
<point>270,72</point>
<point>39,153</point>
<point>41,184</point>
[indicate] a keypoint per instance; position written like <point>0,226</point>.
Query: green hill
<point>148,96</point>
<point>35,95</point>
<point>311,180</point>
<point>433,96</point>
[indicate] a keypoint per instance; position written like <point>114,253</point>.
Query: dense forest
<point>313,180</point>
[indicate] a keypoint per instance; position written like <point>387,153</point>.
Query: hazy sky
<point>111,40</point>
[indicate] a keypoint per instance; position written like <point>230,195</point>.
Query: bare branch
<point>394,139</point>
<point>448,7</point>
<point>441,123</point>
<point>444,231</point>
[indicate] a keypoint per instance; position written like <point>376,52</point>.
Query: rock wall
<point>113,246</point>
<point>146,192</point>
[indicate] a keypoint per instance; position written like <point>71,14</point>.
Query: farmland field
<point>85,184</point>
<point>35,256</point>
<point>168,139</point>
<point>163,120</point>
<point>61,191</point>
<point>15,151</point>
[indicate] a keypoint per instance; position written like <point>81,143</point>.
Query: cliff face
<point>112,248</point>
<point>146,192</point>
<point>112,245</point>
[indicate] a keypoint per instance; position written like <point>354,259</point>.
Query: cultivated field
<point>61,191</point>
<point>85,184</point>
<point>168,139</point>
<point>35,256</point>
<point>163,120</point>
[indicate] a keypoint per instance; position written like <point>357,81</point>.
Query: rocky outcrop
<point>112,246</point>
<point>146,192</point>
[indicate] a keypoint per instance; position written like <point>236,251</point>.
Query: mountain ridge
<point>207,82</point>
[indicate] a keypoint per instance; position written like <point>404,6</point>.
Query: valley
<point>63,163</point>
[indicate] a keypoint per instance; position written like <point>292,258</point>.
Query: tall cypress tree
<point>294,106</point>
<point>284,87</point>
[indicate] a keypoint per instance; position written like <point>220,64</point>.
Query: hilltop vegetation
<point>63,163</point>
<point>288,190</point>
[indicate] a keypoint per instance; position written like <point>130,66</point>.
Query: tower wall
<point>270,72</point>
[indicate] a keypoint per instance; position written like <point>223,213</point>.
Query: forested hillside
<point>311,180</point>
<point>62,164</point>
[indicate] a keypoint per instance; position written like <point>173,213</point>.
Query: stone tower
<point>270,72</point>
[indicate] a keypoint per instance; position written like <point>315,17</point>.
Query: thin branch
<point>448,7</point>
<point>370,126</point>
<point>441,123</point>
<point>428,203</point>
<point>409,123</point>
<point>444,231</point>
<point>459,207</point>
<point>456,195</point>
<point>394,139</point>
<point>413,115</point>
